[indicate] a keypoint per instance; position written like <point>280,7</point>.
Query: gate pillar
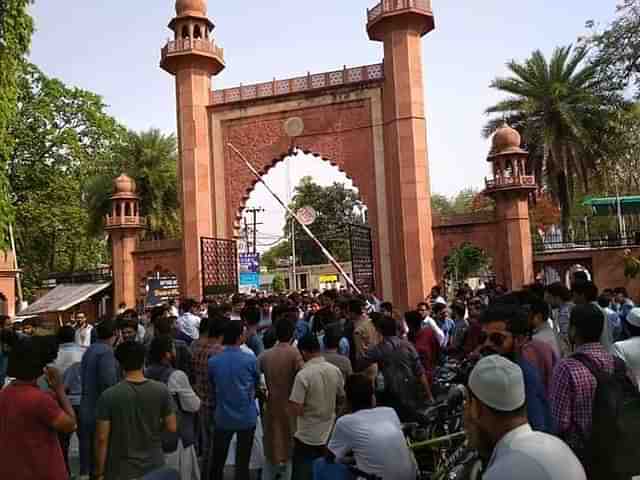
<point>400,25</point>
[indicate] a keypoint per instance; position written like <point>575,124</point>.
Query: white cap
<point>633,317</point>
<point>440,300</point>
<point>498,383</point>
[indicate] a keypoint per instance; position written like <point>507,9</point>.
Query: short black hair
<point>309,343</point>
<point>386,306</point>
<point>356,306</point>
<point>106,329</point>
<point>387,326</point>
<point>188,304</point>
<point>439,307</point>
<point>621,290</point>
<point>204,326</point>
<point>66,334</point>
<point>513,315</point>
<point>217,325</point>
<point>586,289</point>
<point>559,290</point>
<point>250,315</point>
<point>413,319</point>
<point>130,356</point>
<point>588,320</point>
<point>159,347</point>
<point>540,307</point>
<point>604,301</point>
<point>459,308</point>
<point>285,329</point>
<point>29,356</point>
<point>359,392</point>
<point>424,304</point>
<point>232,332</point>
<point>332,336</point>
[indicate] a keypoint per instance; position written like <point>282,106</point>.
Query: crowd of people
<point>315,386</point>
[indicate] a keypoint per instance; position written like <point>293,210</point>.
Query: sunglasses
<point>496,338</point>
<point>477,303</point>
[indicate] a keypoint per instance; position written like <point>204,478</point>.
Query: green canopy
<point>608,206</point>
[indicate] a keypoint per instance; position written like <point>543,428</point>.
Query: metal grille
<point>362,257</point>
<point>219,266</point>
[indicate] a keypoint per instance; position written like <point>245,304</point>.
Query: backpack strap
<point>588,363</point>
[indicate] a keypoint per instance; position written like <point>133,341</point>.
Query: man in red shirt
<point>31,418</point>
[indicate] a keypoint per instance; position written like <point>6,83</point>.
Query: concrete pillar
<point>193,86</point>
<point>8,275</point>
<point>512,212</point>
<point>193,72</point>
<point>123,244</point>
<point>406,158</point>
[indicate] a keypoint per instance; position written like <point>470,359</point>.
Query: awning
<point>608,206</point>
<point>64,297</point>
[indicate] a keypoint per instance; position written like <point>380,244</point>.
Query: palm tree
<point>557,106</point>
<point>150,159</point>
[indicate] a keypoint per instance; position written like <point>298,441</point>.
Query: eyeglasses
<point>496,338</point>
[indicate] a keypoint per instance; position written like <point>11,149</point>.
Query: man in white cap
<point>629,350</point>
<point>496,423</point>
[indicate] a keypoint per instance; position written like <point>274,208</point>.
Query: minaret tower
<point>193,58</point>
<point>124,224</point>
<point>400,26</point>
<point>510,187</point>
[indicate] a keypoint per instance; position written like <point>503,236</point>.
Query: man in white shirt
<point>629,350</point>
<point>373,436</point>
<point>188,324</point>
<point>317,390</point>
<point>424,309</point>
<point>83,331</point>
<point>496,422</point>
<point>542,330</point>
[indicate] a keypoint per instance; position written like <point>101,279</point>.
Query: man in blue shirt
<point>234,376</point>
<point>99,370</point>
<point>504,332</point>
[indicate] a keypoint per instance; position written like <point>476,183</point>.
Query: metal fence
<point>557,242</point>
<point>219,266</point>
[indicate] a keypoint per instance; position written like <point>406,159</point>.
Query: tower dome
<point>124,184</point>
<point>506,140</point>
<point>191,7</point>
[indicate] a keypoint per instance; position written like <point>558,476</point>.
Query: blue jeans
<point>162,474</point>
<point>86,440</point>
<point>322,470</point>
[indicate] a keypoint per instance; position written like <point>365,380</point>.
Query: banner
<point>249,271</point>
<point>161,290</point>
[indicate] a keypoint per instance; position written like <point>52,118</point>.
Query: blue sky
<point>112,47</point>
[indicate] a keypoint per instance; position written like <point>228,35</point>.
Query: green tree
<point>336,206</point>
<point>150,158</point>
<point>278,284</point>
<point>441,205</point>
<point>466,261</point>
<point>16,28</point>
<point>464,202</point>
<point>59,135</point>
<point>558,106</point>
<point>281,251</point>
<point>616,49</point>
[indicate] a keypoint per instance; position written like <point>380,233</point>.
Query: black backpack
<point>612,451</point>
<point>400,383</point>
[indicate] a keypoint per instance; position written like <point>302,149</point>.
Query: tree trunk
<point>564,200</point>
